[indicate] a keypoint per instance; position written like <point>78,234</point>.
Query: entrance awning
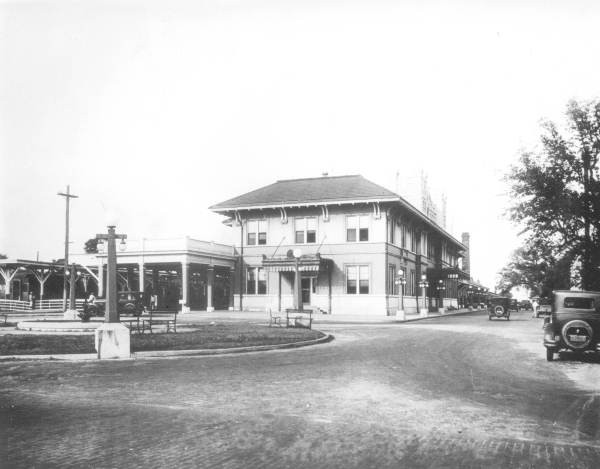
<point>311,265</point>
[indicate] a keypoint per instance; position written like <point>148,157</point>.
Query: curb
<point>393,320</point>
<point>458,313</point>
<point>170,353</point>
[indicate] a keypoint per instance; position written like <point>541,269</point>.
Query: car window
<point>579,303</point>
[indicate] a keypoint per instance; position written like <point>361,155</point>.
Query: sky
<point>153,111</point>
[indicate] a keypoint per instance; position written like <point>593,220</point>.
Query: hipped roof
<point>328,190</point>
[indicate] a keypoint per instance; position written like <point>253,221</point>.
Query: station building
<point>354,236</point>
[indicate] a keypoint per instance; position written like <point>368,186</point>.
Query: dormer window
<point>257,232</point>
<point>306,230</point>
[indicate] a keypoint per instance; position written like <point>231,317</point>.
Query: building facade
<point>359,248</point>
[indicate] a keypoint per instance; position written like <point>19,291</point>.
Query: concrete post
<point>141,274</point>
<point>100,279</point>
<point>71,312</point>
<point>210,280</point>
<point>185,291</point>
<point>231,282</point>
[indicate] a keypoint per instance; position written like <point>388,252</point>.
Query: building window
<point>357,279</point>
<point>256,281</point>
<point>391,231</point>
<point>357,228</point>
<point>403,236</point>
<point>413,240</point>
<point>257,232</point>
<point>306,230</point>
<point>392,288</point>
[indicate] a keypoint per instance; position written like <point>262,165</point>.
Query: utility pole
<point>68,196</point>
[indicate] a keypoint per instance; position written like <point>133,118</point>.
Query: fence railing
<point>17,305</point>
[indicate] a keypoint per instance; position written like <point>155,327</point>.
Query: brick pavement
<point>378,396</point>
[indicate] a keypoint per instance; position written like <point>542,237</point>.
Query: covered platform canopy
<point>11,269</point>
<point>183,273</point>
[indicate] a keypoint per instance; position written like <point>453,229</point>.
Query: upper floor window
<point>403,236</point>
<point>413,240</point>
<point>357,228</point>
<point>256,281</point>
<point>257,232</point>
<point>306,230</point>
<point>357,279</point>
<point>391,231</point>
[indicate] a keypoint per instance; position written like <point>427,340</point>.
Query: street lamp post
<point>424,284</point>
<point>112,338</point>
<point>400,280</point>
<point>440,288</point>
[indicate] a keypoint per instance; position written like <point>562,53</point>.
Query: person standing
<point>534,305</point>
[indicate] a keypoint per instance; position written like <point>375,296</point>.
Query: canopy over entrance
<point>307,264</point>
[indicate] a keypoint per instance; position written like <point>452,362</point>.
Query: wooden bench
<point>275,319</point>
<point>299,318</point>
<point>154,318</point>
<point>131,322</point>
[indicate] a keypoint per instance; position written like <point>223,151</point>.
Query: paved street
<point>458,391</point>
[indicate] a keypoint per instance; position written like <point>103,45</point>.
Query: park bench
<point>299,318</point>
<point>275,319</point>
<point>132,322</point>
<point>154,318</point>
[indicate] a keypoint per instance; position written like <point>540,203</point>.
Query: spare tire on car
<point>577,334</point>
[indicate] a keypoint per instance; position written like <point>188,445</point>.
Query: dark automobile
<point>544,307</point>
<point>524,305</point>
<point>129,303</point>
<point>499,307</point>
<point>513,305</point>
<point>574,323</point>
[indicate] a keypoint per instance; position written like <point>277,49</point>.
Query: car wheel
<point>549,354</point>
<point>490,318</point>
<point>508,317</point>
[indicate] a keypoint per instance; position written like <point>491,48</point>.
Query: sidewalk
<point>263,316</point>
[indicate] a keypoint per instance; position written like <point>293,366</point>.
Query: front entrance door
<point>306,288</point>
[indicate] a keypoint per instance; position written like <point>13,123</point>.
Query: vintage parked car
<point>499,307</point>
<point>129,303</point>
<point>544,307</point>
<point>513,305</point>
<point>574,323</point>
<point>525,305</point>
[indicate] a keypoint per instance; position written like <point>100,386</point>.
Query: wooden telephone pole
<point>68,196</point>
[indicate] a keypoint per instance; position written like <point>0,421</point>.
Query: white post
<point>185,307</point>
<point>141,269</point>
<point>100,279</point>
<point>424,311</point>
<point>210,280</point>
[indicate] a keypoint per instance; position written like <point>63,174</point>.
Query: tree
<point>91,246</point>
<point>557,192</point>
<point>3,256</point>
<point>535,268</point>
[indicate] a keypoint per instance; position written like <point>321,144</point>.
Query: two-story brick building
<point>354,238</point>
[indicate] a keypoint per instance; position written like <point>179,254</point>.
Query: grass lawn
<point>219,335</point>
